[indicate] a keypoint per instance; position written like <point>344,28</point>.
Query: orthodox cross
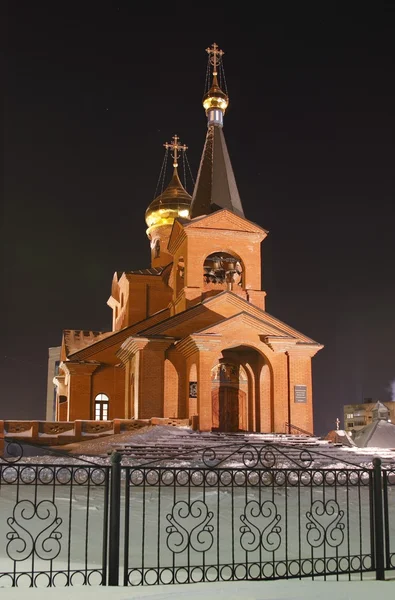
<point>215,56</point>
<point>337,424</point>
<point>175,146</point>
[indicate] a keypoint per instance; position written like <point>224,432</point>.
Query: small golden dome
<point>215,98</point>
<point>172,203</point>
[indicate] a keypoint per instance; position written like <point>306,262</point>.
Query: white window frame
<point>101,406</point>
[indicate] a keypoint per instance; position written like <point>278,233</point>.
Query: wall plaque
<point>193,389</point>
<point>300,393</point>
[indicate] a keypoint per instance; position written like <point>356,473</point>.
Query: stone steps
<point>168,446</point>
<point>171,445</point>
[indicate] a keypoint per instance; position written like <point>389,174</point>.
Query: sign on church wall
<point>300,393</point>
<point>193,389</point>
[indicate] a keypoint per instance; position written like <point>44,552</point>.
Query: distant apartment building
<point>357,416</point>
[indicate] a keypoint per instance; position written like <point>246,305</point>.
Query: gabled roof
<point>224,219</point>
<point>259,325</point>
<point>194,319</point>
<point>216,186</point>
<point>204,315</point>
<point>177,234</point>
<point>115,338</point>
<point>221,220</point>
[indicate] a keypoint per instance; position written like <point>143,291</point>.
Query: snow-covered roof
<point>379,434</point>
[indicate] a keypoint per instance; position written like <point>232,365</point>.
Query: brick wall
<point>55,433</point>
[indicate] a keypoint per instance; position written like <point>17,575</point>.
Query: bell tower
<point>218,249</point>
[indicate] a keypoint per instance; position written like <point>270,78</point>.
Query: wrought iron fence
<point>53,523</point>
<point>213,514</point>
<point>389,517</point>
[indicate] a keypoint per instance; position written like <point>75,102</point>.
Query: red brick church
<point>191,338</point>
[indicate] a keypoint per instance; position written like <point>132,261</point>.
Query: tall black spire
<point>216,186</point>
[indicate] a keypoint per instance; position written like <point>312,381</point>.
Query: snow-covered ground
<point>251,590</point>
<point>196,527</point>
<point>196,530</point>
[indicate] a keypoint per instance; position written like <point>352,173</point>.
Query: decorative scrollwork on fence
<point>251,456</point>
<point>190,526</point>
<point>325,524</point>
<point>23,542</point>
<point>260,526</point>
<point>265,455</point>
<point>13,452</point>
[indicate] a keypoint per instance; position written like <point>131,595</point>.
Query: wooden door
<point>229,409</point>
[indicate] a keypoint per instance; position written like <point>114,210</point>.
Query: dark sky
<point>92,92</point>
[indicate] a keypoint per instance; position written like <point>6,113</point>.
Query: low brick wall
<point>57,433</point>
<point>170,421</point>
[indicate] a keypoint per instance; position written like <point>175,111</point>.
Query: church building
<point>191,338</point>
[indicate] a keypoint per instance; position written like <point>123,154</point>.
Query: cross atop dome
<point>215,56</point>
<point>215,101</point>
<point>173,202</point>
<point>175,146</point>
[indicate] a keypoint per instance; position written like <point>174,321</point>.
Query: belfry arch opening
<point>222,271</point>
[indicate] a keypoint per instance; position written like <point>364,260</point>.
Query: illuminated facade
<point>191,338</point>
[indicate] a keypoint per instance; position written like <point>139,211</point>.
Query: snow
<point>157,503</point>
<point>162,441</point>
<point>249,590</point>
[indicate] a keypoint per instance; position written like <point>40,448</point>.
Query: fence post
<point>378,518</point>
<point>115,519</point>
<point>386,522</point>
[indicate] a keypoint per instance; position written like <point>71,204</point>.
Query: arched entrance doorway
<point>229,386</point>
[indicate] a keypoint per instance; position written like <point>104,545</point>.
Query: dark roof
<point>149,271</point>
<point>379,434</point>
<point>216,186</point>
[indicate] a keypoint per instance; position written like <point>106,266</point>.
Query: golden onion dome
<point>215,98</point>
<point>172,203</point>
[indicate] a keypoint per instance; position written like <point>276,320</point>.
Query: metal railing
<point>224,513</point>
<point>289,428</point>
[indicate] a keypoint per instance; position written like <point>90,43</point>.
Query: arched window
<point>101,407</point>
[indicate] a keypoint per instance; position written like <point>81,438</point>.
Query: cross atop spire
<point>215,55</point>
<point>175,146</point>
<point>215,188</point>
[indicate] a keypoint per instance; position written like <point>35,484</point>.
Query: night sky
<point>92,92</point>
